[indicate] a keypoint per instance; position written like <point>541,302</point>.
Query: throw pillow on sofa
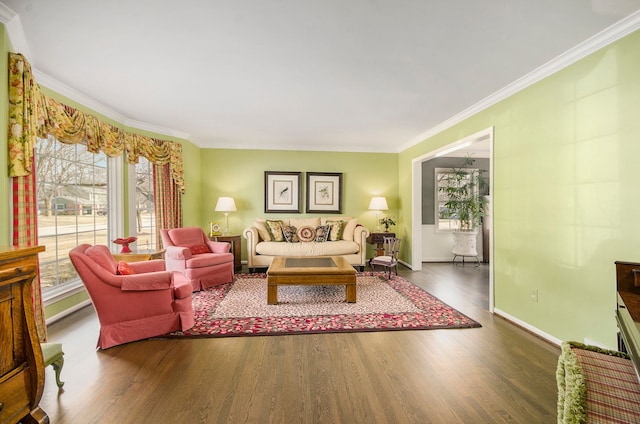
<point>262,230</point>
<point>275,229</point>
<point>289,232</point>
<point>335,230</point>
<point>349,229</point>
<point>322,233</point>
<point>306,233</point>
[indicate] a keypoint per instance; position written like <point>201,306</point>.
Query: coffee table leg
<point>272,294</point>
<point>351,293</point>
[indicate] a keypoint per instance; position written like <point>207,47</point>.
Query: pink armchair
<point>149,302</point>
<point>206,263</point>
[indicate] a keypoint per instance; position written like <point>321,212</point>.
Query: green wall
<point>240,174</point>
<point>566,183</point>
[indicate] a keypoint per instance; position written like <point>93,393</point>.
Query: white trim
<point>13,25</point>
<point>67,312</point>
<point>602,39</point>
<point>529,327</point>
<point>116,198</point>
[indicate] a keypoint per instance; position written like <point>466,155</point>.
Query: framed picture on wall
<point>282,192</point>
<point>324,192</point>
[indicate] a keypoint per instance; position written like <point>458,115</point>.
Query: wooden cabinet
<point>21,362</point>
<point>236,249</point>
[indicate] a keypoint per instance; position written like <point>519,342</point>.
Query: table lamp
<point>226,205</point>
<point>378,204</point>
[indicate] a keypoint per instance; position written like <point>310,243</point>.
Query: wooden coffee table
<point>310,271</point>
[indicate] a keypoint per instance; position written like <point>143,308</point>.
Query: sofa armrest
<point>144,282</point>
<point>153,265</point>
<point>219,246</point>
<point>360,235</point>
<point>251,234</point>
<point>177,252</point>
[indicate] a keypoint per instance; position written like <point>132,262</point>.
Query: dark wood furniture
<point>21,360</point>
<point>378,240</point>
<point>628,309</point>
<point>236,249</point>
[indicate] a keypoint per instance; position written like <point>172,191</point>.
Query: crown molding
<point>13,25</point>
<point>602,39</point>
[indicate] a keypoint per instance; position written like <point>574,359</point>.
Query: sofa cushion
<point>335,230</point>
<point>322,233</point>
<point>349,229</point>
<point>187,236</point>
<point>262,230</point>
<point>289,232</point>
<point>209,259</point>
<point>199,249</point>
<point>306,233</point>
<point>275,229</point>
<point>312,248</point>
<point>124,269</point>
<point>102,256</point>
<point>301,222</point>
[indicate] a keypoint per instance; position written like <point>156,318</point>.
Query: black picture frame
<point>282,192</point>
<point>324,192</point>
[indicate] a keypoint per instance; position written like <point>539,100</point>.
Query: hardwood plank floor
<point>495,374</point>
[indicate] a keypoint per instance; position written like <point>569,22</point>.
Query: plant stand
<point>464,244</point>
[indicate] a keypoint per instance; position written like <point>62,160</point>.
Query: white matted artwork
<point>282,192</point>
<point>324,192</point>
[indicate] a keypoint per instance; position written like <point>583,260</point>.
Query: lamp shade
<point>225,204</point>
<point>378,204</point>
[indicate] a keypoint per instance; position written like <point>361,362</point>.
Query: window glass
<point>145,206</point>
<point>72,188</point>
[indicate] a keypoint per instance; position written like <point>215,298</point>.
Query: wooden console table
<point>21,360</point>
<point>378,240</point>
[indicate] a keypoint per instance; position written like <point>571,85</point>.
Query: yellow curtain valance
<point>33,114</point>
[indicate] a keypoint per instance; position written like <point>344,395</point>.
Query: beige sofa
<point>266,239</point>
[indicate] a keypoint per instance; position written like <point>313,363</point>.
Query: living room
<point>564,175</point>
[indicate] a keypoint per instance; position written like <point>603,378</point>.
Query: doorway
<point>473,144</point>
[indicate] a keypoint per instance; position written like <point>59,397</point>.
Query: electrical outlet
<point>534,295</point>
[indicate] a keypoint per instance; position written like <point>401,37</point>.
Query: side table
<point>378,240</point>
<point>139,255</point>
<point>236,249</point>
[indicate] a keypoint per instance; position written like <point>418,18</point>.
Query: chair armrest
<point>144,282</point>
<point>177,252</point>
<point>219,246</point>
<point>143,267</point>
<point>182,286</point>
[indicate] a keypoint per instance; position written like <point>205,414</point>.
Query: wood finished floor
<point>494,374</point>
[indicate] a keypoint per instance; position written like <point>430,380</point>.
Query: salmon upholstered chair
<point>133,301</point>
<point>206,263</point>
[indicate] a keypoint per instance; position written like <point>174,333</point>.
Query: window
<point>145,205</point>
<point>446,178</point>
<point>72,192</point>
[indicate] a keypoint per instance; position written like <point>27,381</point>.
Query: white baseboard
<point>529,327</point>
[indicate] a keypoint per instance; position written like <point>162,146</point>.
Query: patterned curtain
<point>33,115</point>
<point>168,201</point>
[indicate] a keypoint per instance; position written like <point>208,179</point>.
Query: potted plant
<point>387,221</point>
<point>462,188</point>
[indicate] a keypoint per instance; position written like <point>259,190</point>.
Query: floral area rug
<point>240,308</point>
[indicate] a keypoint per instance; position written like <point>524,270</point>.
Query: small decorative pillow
<point>124,269</point>
<point>349,229</point>
<point>322,233</point>
<point>335,232</point>
<point>306,233</point>
<point>275,229</point>
<point>262,230</point>
<point>199,248</point>
<point>289,232</point>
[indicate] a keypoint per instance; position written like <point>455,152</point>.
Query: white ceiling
<point>338,75</point>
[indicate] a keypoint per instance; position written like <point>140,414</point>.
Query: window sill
<point>60,293</point>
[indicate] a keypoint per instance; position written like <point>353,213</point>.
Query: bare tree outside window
<point>145,205</point>
<point>72,187</point>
